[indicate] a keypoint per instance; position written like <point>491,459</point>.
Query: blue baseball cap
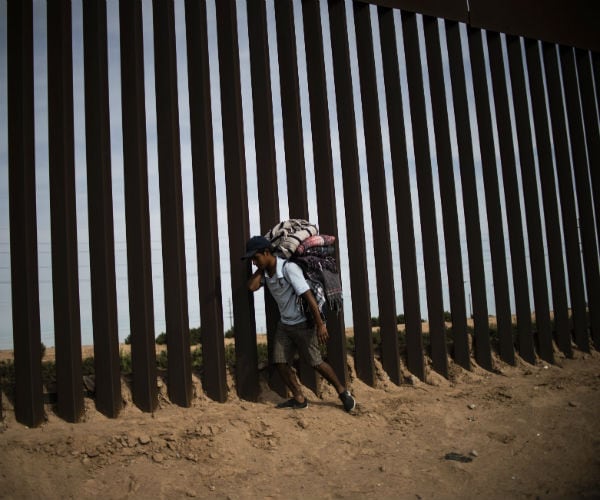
<point>254,245</point>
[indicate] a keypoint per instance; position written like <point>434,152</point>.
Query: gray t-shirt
<point>286,290</point>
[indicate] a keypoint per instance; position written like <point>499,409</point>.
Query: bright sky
<point>41,131</point>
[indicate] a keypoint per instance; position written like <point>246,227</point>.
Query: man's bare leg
<point>291,381</point>
<point>328,374</point>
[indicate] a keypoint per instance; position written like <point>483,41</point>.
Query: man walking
<point>287,284</point>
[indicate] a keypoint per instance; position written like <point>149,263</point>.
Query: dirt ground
<point>519,432</point>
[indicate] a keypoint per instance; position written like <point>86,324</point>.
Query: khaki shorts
<point>300,338</point>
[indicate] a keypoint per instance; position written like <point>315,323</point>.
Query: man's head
<point>258,249</point>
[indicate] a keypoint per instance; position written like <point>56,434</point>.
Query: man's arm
<point>322,333</point>
<point>255,281</point>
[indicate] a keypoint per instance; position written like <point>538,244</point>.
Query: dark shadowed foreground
<point>522,432</point>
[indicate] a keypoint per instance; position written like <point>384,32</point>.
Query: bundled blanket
<point>286,236</point>
<point>328,251</point>
<point>316,241</point>
<point>324,280</point>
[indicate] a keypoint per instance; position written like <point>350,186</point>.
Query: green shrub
<point>376,338</point>
<point>125,363</point>
<point>127,340</point>
<point>195,336</point>
<point>230,355</point>
<point>162,360</point>
<point>197,359</point>
<point>7,373</point>
<point>230,334</point>
<point>87,366</point>
<point>350,345</point>
<point>161,339</point>
<point>48,373</point>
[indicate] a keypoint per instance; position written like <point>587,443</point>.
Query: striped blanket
<point>286,236</point>
<point>316,241</point>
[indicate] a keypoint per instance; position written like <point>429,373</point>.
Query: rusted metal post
<point>549,197</point>
<point>513,206</point>
<point>582,187</point>
<point>447,192</point>
<point>290,109</point>
<point>323,161</point>
<point>135,168</point>
<point>590,121</point>
<point>266,161</point>
<point>361,311</point>
<point>401,178</point>
<point>65,269</point>
<point>567,196</point>
<point>592,141</point>
<point>100,215</point>
<point>532,202</point>
<point>293,134</point>
<point>431,250</point>
<point>205,202</point>
<point>492,196</point>
<point>246,364</point>
<point>29,408</point>
<point>469,193</point>
<point>171,204</point>
<point>382,251</point>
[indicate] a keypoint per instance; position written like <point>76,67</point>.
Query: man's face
<point>260,260</point>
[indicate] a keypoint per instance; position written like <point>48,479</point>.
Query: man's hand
<point>322,333</point>
<point>255,281</point>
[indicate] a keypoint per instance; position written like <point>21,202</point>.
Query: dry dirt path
<point>528,431</point>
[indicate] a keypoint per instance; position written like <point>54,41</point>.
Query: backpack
<point>299,241</point>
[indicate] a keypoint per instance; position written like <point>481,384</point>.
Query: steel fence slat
<point>582,187</point>
<point>100,216</point>
<point>293,134</point>
<point>323,167</point>
<point>266,161</point>
<point>592,136</point>
<point>448,193</point>
<point>513,206</point>
<point>469,192</point>
<point>424,174</point>
<point>492,194</point>
<point>567,195</point>
<point>214,381</point>
<point>532,203</point>
<point>65,269</point>
<point>377,189</point>
<point>361,310</point>
<point>550,200</point>
<point>403,197</point>
<point>246,366</point>
<point>137,218</point>
<point>290,109</point>
<point>171,205</point>
<point>29,408</point>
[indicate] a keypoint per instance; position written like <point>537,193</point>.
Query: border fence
<point>540,60</point>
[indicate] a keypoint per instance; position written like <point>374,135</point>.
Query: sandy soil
<point>521,432</point>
